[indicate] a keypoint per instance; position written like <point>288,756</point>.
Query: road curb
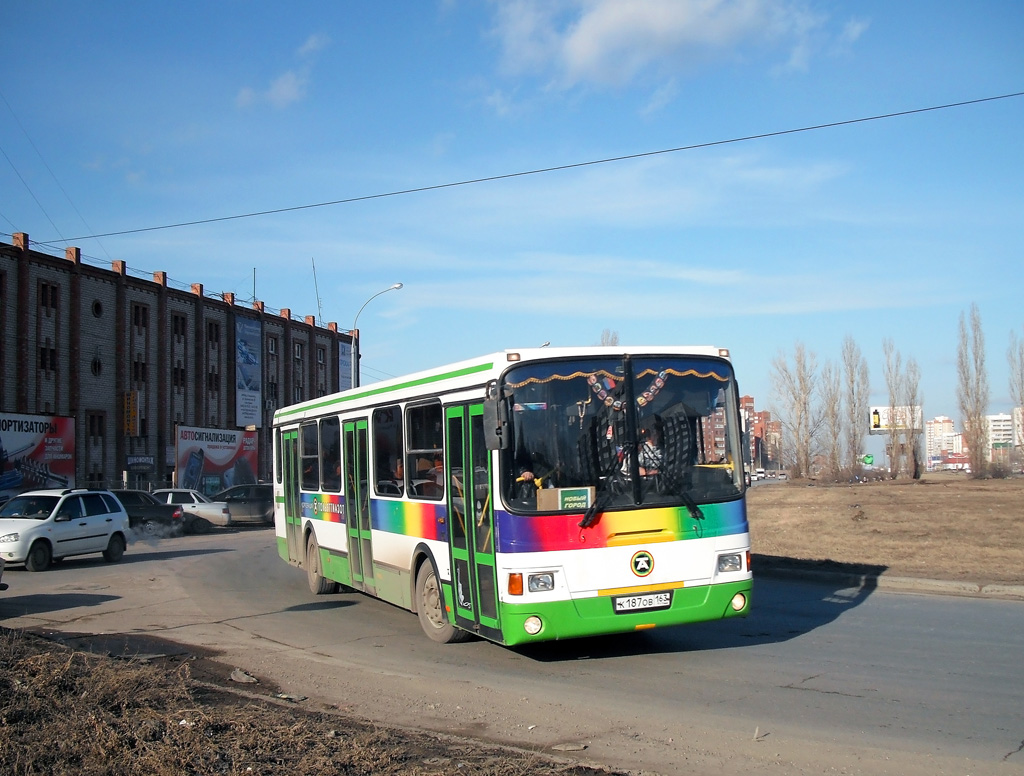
<point>803,570</point>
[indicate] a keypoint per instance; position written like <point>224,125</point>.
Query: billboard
<point>884,420</point>
<point>248,372</point>
<point>344,366</point>
<point>211,459</point>
<point>36,451</point>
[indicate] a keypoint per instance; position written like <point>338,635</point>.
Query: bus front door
<point>357,507</point>
<point>471,523</point>
<point>292,503</point>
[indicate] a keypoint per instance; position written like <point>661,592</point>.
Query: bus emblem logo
<point>642,563</point>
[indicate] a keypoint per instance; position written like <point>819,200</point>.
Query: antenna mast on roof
<point>316,290</point>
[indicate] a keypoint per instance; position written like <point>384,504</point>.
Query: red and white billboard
<point>36,451</point>
<point>212,459</point>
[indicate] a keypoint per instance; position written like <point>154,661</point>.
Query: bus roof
<point>477,371</point>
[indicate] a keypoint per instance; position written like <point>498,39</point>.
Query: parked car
<point>41,526</point>
<point>200,512</point>
<point>150,516</point>
<point>249,503</point>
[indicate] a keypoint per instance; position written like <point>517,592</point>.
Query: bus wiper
<point>692,507</point>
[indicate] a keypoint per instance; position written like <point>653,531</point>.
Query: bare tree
<point>1016,358</point>
<point>609,337</point>
<point>893,382</point>
<point>857,387</point>
<point>796,386</point>
<point>832,420</point>
<point>972,391</point>
<point>912,400</point>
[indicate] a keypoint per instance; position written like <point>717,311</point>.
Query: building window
<point>178,323</point>
<point>139,370</point>
<point>178,377</point>
<point>96,427</point>
<point>272,345</point>
<point>213,332</point>
<point>48,297</point>
<point>297,393</point>
<point>321,355</point>
<point>298,351</point>
<point>48,359</point>
<point>272,392</point>
<point>140,317</point>
<point>213,382</point>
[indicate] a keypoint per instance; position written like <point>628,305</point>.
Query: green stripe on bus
<point>376,391</point>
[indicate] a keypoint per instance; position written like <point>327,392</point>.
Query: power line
<point>557,168</point>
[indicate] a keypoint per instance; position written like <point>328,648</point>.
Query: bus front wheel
<point>430,608</point>
<point>318,584</point>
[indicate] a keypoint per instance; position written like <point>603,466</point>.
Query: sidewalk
<point>830,572</point>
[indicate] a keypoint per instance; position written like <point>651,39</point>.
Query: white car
<point>41,526</point>
<point>200,512</point>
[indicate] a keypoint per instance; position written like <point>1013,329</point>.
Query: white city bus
<point>527,495</point>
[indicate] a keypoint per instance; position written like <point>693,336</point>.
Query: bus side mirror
<point>496,434</point>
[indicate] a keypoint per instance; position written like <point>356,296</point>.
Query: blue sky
<point>122,116</point>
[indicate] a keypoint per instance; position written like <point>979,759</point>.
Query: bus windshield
<point>639,430</point>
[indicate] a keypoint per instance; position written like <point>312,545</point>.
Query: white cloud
<point>613,42</point>
<point>313,44</point>
<point>286,89</point>
<point>289,87</point>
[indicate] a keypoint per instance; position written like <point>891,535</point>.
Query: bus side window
<point>309,452</point>
<point>424,452</point>
<point>388,476</point>
<point>330,458</point>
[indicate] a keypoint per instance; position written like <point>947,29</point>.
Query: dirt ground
<point>141,706</point>
<point>944,526</point>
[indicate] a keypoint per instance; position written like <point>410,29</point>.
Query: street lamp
<point>355,333</point>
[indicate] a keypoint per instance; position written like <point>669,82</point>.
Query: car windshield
<point>639,431</point>
<point>29,507</point>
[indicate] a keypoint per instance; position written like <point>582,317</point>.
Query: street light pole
<point>355,333</point>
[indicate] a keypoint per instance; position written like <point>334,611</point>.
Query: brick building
<point>90,343</point>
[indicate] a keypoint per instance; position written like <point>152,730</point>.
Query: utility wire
<point>557,168</point>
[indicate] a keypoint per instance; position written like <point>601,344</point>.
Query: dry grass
<point>66,711</point>
<point>944,526</point>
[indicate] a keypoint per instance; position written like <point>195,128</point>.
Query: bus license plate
<point>646,601</point>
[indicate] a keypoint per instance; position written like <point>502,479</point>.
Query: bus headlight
<point>731,562</point>
<point>532,625</point>
<point>738,602</point>
<point>541,583</point>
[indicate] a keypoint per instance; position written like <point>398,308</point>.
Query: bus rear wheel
<point>430,608</point>
<point>318,584</point>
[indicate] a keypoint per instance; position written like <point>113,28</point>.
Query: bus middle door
<point>357,506</point>
<point>289,459</point>
<point>471,522</point>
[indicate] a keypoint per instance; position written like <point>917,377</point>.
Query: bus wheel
<point>430,608</point>
<point>318,585</point>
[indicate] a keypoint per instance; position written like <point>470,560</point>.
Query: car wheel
<point>318,584</point>
<point>150,527</point>
<point>115,549</point>
<point>430,608</point>
<point>39,557</point>
<point>199,526</point>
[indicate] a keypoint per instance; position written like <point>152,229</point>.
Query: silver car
<point>41,526</point>
<point>200,512</point>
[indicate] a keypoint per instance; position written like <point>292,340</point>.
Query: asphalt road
<point>819,679</point>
